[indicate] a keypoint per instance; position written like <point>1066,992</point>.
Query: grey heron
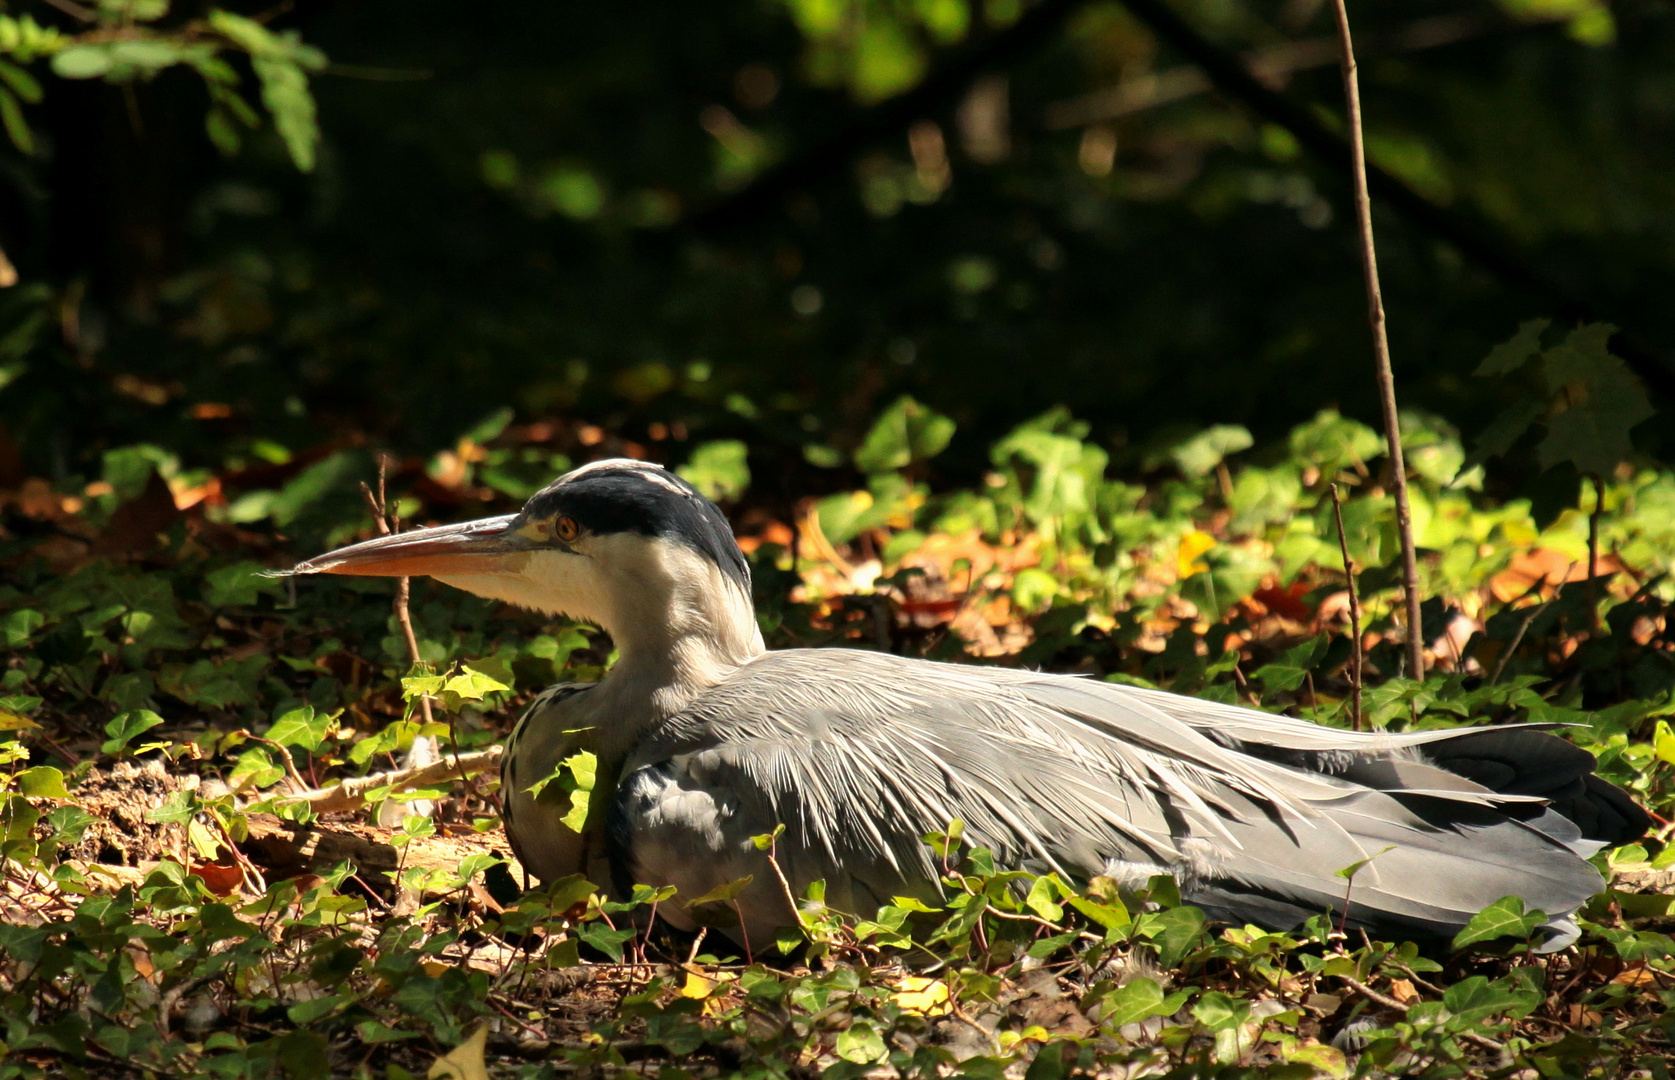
<point>714,740</point>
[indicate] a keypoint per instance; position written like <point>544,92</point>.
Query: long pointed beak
<point>487,546</point>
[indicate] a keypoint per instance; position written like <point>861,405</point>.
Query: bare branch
<point>1271,66</point>
<point>1354,617</point>
<point>350,794</point>
<point>1381,349</point>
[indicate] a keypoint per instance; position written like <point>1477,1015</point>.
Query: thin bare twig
<point>74,10</point>
<point>1523,627</point>
<point>387,524</point>
<point>350,794</point>
<point>289,761</point>
<point>790,897</point>
<point>1381,348</point>
<point>1391,1003</point>
<point>1354,617</point>
<point>1593,550</point>
<point>1272,67</point>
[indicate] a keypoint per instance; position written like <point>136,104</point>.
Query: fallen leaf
<point>222,879</point>
<point>465,1061</point>
<point>1549,569</point>
<point>927,997</point>
<point>697,986</point>
<point>1287,603</point>
<point>1638,975</point>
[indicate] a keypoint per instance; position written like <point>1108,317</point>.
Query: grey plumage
<point>714,741</point>
<point>859,755</point>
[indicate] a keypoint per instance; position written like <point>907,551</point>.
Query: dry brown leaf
<point>1549,569</point>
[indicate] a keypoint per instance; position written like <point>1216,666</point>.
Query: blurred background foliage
<point>258,238</point>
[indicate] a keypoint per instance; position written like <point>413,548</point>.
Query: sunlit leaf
<point>465,1061</point>
<point>1505,917</point>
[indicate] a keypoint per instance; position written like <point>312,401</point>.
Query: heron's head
<point>622,543</point>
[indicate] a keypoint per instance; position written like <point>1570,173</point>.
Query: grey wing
<point>859,754</point>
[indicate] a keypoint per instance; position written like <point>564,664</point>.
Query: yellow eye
<point>566,529</point>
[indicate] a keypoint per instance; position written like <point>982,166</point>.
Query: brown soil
<point>119,798</point>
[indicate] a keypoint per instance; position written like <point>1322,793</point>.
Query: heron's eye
<point>566,529</point>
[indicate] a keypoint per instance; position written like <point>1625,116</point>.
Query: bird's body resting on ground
<point>714,741</point>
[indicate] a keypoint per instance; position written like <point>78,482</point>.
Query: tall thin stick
<point>1381,348</point>
<point>387,523</point>
<point>1593,550</point>
<point>1354,617</point>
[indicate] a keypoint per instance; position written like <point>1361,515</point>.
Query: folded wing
<point>860,754</point>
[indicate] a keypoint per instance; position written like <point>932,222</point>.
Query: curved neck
<point>680,626</point>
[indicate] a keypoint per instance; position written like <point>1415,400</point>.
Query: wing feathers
<point>860,754</point>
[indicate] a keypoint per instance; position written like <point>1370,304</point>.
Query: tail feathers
<point>1519,761</point>
<point>1432,862</point>
<point>1512,760</point>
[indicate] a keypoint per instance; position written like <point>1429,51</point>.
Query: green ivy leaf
<point>605,939</point>
<point>125,728</point>
<point>861,1043</point>
<point>1138,999</point>
<point>1475,999</point>
<point>1109,916</point>
<point>42,782</point>
<point>302,727</point>
<point>904,433</point>
<point>1207,449</point>
<point>1331,442</point>
<point>1505,917</point>
<point>583,768</point>
<point>1175,931</point>
<point>718,469</point>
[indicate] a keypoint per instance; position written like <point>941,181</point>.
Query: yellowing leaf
<point>471,684</point>
<point>723,894</point>
<point>14,722</point>
<point>465,1061</point>
<point>1326,1059</point>
<point>1193,545</point>
<point>927,997</point>
<point>1663,742</point>
<point>434,968</point>
<point>699,985</point>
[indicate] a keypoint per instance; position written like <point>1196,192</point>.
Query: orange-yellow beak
<point>472,548</point>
